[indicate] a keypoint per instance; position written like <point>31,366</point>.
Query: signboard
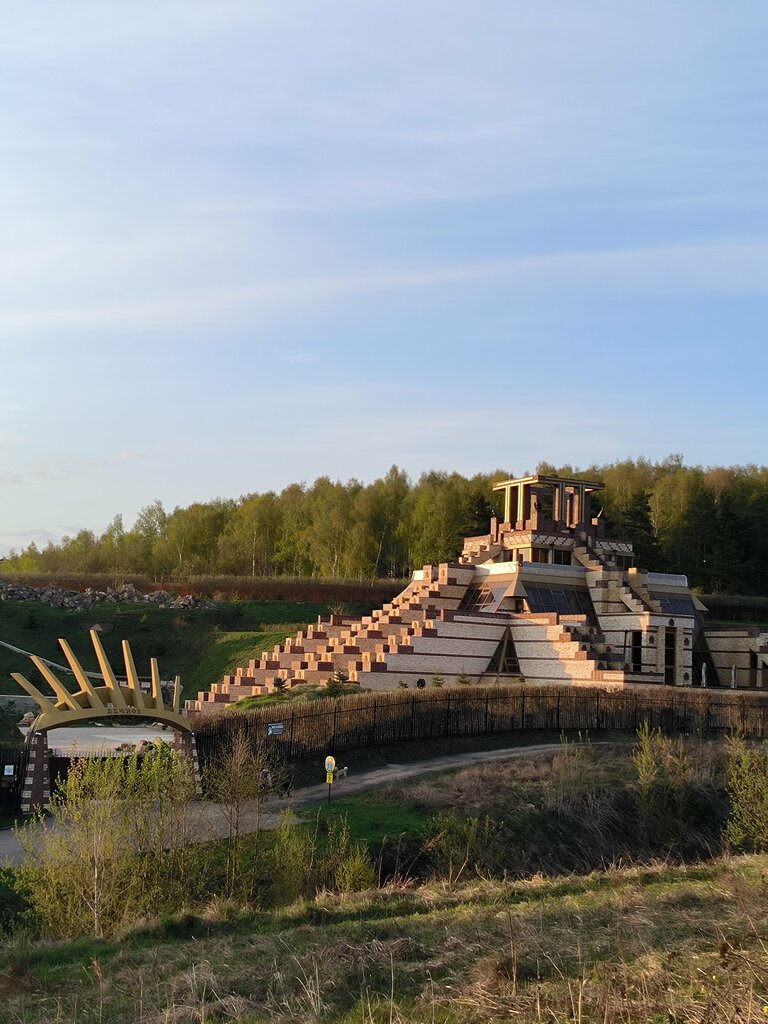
<point>275,729</point>
<point>329,778</point>
<point>8,771</point>
<point>330,763</point>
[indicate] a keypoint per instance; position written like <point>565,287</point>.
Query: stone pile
<point>59,597</point>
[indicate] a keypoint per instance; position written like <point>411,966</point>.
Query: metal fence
<point>304,730</point>
<point>12,764</point>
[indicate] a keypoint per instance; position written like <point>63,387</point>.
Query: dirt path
<point>209,820</point>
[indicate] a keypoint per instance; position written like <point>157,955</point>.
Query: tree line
<point>711,523</point>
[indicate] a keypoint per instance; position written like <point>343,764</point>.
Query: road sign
<point>330,763</point>
<point>274,729</point>
<point>8,771</point>
<point>329,778</point>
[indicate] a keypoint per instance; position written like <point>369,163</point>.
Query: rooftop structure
<point>545,595</point>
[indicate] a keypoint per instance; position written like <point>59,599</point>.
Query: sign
<point>8,771</point>
<point>329,778</point>
<point>275,729</point>
<point>330,763</point>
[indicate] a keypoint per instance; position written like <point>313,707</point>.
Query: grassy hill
<point>9,734</point>
<point>198,644</point>
<point>656,944</point>
<point>651,941</point>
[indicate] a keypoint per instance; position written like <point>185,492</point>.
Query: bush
<point>747,783</point>
<point>461,844</point>
<point>355,872</point>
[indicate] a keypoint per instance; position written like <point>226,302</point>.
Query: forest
<point>710,523</point>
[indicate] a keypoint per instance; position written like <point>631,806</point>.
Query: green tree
<point>104,859</point>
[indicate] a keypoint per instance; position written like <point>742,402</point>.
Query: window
<point>564,600</point>
<point>637,651</point>
<point>561,557</point>
<point>540,555</point>
<point>484,597</point>
<point>675,604</point>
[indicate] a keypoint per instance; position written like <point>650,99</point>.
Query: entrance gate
<point>109,699</point>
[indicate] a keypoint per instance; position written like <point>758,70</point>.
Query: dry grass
<point>678,945</point>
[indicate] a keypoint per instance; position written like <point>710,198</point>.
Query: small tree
<point>240,781</point>
<point>103,861</point>
<point>437,681</point>
<point>462,679</point>
<point>336,685</point>
<point>747,783</point>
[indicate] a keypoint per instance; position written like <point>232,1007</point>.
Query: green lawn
<point>199,645</point>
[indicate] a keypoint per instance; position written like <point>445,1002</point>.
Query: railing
<point>13,758</point>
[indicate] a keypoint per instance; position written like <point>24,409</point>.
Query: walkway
<point>210,821</point>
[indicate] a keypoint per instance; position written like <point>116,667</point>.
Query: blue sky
<point>249,243</point>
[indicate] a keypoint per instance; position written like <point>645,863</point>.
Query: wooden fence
<point>260,588</point>
<point>300,731</point>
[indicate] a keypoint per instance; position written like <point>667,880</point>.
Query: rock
<point>75,600</point>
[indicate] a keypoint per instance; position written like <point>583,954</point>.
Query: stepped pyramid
<point>545,594</point>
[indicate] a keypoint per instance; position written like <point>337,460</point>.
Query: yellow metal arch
<point>110,700</point>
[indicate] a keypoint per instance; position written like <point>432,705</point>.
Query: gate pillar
<point>184,744</point>
<point>36,787</point>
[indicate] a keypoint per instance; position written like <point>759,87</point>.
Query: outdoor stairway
<point>564,648</point>
<point>636,583</point>
<point>478,550</point>
<point>353,646</point>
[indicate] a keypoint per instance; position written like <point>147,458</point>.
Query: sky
<point>253,242</point>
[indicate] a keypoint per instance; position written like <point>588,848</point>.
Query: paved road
<point>210,820</point>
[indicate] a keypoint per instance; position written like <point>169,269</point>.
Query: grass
<point>201,645</point>
<point>9,734</point>
<point>653,944</point>
<point>530,809</point>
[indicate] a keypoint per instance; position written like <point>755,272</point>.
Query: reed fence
<point>330,725</point>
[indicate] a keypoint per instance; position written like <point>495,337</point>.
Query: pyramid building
<point>545,596</point>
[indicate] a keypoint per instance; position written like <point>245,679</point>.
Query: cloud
<point>17,540</point>
<point>11,478</point>
<point>729,267</point>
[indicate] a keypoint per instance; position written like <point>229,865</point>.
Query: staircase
<point>478,550</point>
<point>564,648</point>
<point>357,647</point>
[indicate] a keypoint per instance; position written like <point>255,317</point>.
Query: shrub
<point>355,872</point>
<point>747,783</point>
<point>461,844</point>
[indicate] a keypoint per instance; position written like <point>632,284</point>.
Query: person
<point>286,782</point>
<point>733,677</point>
<point>704,675</point>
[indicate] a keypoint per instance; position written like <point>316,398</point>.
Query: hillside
<point>469,930</point>
<point>9,734</point>
<point>198,644</point>
<point>636,945</point>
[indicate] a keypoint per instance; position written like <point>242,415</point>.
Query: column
<point>680,657</point>
<point>660,639</point>
<point>184,744</point>
<point>36,787</point>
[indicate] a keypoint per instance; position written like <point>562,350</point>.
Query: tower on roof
<point>555,502</point>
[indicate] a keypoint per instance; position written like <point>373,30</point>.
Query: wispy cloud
<point>19,539</point>
<point>730,267</point>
